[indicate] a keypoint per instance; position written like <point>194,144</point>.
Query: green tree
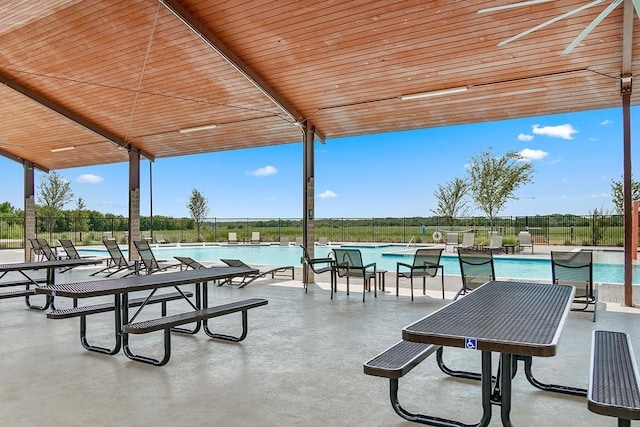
<point>601,220</point>
<point>80,220</point>
<point>55,192</point>
<point>617,195</point>
<point>493,180</point>
<point>7,209</point>
<point>199,209</point>
<point>451,202</point>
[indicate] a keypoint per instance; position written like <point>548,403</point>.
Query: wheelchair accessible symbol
<point>471,343</point>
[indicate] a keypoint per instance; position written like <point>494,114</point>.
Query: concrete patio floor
<point>301,365</point>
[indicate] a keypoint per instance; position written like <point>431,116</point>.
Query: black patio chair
<point>318,266</point>
<point>246,279</point>
<point>42,249</point>
<point>348,263</point>
<point>576,269</point>
<point>426,263</point>
<point>116,262</point>
<point>149,261</point>
<point>71,251</point>
<point>476,268</point>
<point>188,262</point>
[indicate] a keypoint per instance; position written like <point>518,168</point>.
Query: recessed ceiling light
<point>441,92</point>
<point>57,150</point>
<point>198,128</point>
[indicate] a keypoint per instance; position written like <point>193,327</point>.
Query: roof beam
<point>216,44</point>
<point>46,102</point>
<point>21,160</point>
<point>627,38</point>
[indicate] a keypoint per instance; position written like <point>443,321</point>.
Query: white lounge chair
<point>525,241</point>
<point>322,241</point>
<point>284,241</point>
<point>255,237</point>
<point>495,244</point>
<point>299,240</point>
<point>468,240</point>
<point>233,238</point>
<point>452,240</point>
<point>159,239</point>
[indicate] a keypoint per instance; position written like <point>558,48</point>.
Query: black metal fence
<point>588,230</point>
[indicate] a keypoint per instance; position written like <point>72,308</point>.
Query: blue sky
<point>575,157</point>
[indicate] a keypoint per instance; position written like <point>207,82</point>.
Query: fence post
<point>404,229</point>
<point>373,229</point>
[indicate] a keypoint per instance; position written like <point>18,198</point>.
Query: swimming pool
<point>385,257</point>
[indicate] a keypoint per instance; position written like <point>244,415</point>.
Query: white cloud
<point>265,171</point>
<point>328,194</point>
<point>601,196</point>
<point>606,122</point>
<point>560,131</point>
<point>529,154</point>
<point>525,137</point>
<point>88,178</point>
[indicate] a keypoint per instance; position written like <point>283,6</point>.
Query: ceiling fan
<point>581,36</point>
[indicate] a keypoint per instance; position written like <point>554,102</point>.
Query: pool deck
<point>301,365</point>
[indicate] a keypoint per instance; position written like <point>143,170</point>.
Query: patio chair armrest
<point>373,264</point>
<point>320,260</point>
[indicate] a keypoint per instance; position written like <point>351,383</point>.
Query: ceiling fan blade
<point>513,5</point>
<point>549,22</point>
<point>591,26</point>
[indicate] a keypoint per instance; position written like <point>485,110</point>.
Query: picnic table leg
<point>506,372</point>
<point>459,374</point>
<point>125,340</point>
<point>528,361</point>
<point>27,301</point>
<point>198,305</point>
<point>443,422</point>
<point>117,328</point>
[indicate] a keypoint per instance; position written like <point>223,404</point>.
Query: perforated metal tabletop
<point>502,316</point>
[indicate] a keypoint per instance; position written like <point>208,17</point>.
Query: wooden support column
<point>29,210</point>
<point>625,90</point>
<point>134,202</point>
<point>308,200</point>
<point>626,192</point>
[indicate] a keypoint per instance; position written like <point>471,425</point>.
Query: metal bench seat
<point>394,363</point>
<point>614,383</point>
<point>17,293</point>
<point>166,323</point>
<point>86,310</point>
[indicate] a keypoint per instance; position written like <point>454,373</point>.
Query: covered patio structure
<point>301,365</point>
<point>88,83</point>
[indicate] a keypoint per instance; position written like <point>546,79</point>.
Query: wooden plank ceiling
<point>96,75</point>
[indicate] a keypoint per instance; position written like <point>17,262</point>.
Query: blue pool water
<point>385,257</point>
